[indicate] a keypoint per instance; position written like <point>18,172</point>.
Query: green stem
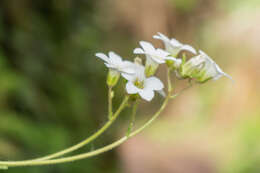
<point>169,80</point>
<point>131,125</point>
<point>88,140</point>
<point>88,154</point>
<point>110,106</point>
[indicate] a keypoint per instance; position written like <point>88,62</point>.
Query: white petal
<point>102,56</point>
<point>128,67</point>
<point>162,37</point>
<point>114,58</point>
<point>146,94</point>
<point>109,65</point>
<point>153,83</point>
<point>151,59</point>
<point>157,37</point>
<point>219,70</point>
<point>228,76</point>
<point>138,73</point>
<point>202,53</point>
<point>128,70</point>
<point>129,63</point>
<point>148,47</point>
<point>175,43</point>
<point>189,48</point>
<point>171,58</point>
<point>139,51</point>
<point>131,88</point>
<point>129,77</point>
<point>162,53</point>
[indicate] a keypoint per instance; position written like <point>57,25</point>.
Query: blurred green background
<point>53,93</point>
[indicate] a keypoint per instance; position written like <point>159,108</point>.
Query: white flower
<point>139,84</point>
<point>173,46</point>
<point>202,68</point>
<point>154,57</point>
<point>157,55</point>
<point>116,63</point>
<point>116,67</point>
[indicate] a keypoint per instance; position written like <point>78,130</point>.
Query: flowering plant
<point>141,84</point>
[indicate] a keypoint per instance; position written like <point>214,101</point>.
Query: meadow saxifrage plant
<point>141,84</point>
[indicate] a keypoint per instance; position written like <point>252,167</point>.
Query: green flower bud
<point>112,77</point>
<point>202,68</point>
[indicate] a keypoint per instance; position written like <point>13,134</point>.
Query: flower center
<point>139,84</point>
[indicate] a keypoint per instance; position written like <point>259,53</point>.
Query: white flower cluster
<point>141,79</point>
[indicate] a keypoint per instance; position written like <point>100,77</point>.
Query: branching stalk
<point>169,80</point>
<point>84,142</point>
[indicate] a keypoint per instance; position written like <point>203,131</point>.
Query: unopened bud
<point>112,77</point>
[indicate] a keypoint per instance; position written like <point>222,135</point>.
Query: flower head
<point>154,57</point>
<point>139,84</point>
<point>173,46</point>
<point>157,55</point>
<point>202,68</point>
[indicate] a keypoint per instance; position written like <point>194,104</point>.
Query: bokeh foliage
<point>51,88</point>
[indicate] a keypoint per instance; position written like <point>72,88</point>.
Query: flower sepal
<point>173,64</point>
<point>150,70</point>
<point>134,97</point>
